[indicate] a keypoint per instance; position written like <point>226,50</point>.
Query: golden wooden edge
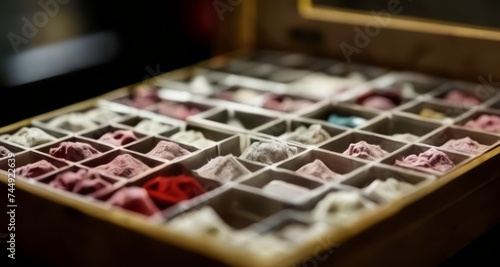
<point>228,255</point>
<point>398,22</point>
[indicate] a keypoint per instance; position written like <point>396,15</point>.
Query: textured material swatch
<point>457,96</point>
<point>168,150</point>
<point>83,182</point>
<point>73,151</point>
<point>101,115</point>
<point>346,121</point>
<point>4,152</point>
<point>380,99</point>
<point>284,190</point>
<point>285,103</point>
<point>36,169</point>
<point>465,145</point>
<point>203,222</point>
<point>30,137</point>
<point>176,110</point>
<point>311,136</point>
<point>151,127</point>
<point>338,205</point>
<point>485,122</point>
<point>192,137</point>
<point>318,169</point>
<point>223,169</point>
<point>432,159</point>
<point>167,191</point>
<point>363,150</point>
<point>406,137</point>
<point>142,98</point>
<point>134,199</point>
<point>268,152</point>
<point>73,122</point>
<point>431,114</point>
<point>385,191</point>
<point>118,137</point>
<point>124,166</point>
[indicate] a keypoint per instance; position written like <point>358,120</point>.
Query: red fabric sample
<point>167,191</point>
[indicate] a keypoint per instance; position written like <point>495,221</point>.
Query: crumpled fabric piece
<point>363,150</point>
<point>73,151</point>
<point>124,166</point>
<point>431,159</point>
<point>268,152</point>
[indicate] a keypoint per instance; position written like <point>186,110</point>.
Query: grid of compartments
<point>266,151</point>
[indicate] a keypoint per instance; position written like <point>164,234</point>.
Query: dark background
<point>153,35</point>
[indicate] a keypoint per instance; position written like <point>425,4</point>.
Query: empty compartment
<point>384,184</point>
<point>462,140</point>
<point>235,120</point>
<point>179,110</point>
<point>363,146</point>
<point>401,128</point>
<point>313,163</point>
<point>235,208</point>
<point>427,159</point>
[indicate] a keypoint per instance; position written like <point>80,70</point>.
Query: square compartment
<point>274,102</point>
<point>54,133</point>
<point>287,75</point>
<point>224,139</point>
<point>146,145</point>
<point>133,121</point>
<point>99,132</point>
<point>363,179</point>
<point>351,70</point>
<point>14,149</point>
<point>94,113</point>
<point>245,120</point>
<point>279,128</point>
<point>343,110</point>
<point>115,182</point>
<point>110,156</point>
<point>262,179</point>
<point>456,158</point>
<point>261,71</point>
<point>450,132</point>
<point>29,157</point>
<point>409,84</point>
<point>102,148</point>
<point>475,115</point>
<point>395,124</point>
<point>473,90</point>
<point>342,143</point>
<point>339,164</point>
<point>239,208</point>
<point>451,112</point>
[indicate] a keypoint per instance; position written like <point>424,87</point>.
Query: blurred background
<point>57,52</point>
